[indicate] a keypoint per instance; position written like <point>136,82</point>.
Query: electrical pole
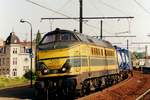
<point>31,50</point>
<point>127,44</point>
<point>81,15</point>
<point>88,18</point>
<point>101,29</point>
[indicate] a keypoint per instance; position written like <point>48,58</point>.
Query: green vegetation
<point>38,37</point>
<point>139,55</point>
<point>10,82</point>
<point>28,75</point>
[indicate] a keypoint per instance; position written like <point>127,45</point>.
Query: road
<point>17,93</point>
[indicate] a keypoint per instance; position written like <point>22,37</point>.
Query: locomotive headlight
<point>64,69</point>
<point>45,70</point>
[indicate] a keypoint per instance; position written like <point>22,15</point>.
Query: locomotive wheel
<point>68,88</point>
<point>112,80</point>
<point>85,90</point>
<point>125,75</point>
<point>65,91</point>
<point>116,79</point>
<point>98,83</point>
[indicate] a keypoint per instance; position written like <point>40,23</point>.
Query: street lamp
<point>31,53</point>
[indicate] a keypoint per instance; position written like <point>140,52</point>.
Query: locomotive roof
<point>93,40</point>
<point>86,38</point>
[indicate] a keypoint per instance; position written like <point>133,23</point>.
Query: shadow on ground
<point>23,92</point>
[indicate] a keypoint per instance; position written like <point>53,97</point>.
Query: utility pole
<point>81,15</point>
<point>31,50</point>
<point>127,44</point>
<point>101,29</point>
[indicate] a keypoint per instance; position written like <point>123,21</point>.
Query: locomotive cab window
<point>49,38</point>
<point>58,37</point>
<point>56,40</point>
<point>66,37</point>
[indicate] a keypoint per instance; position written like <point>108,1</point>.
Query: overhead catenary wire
<point>98,10</point>
<point>49,9</point>
<point>116,9</point>
<point>95,6</point>
<point>76,19</point>
<point>112,7</point>
<point>65,4</point>
<point>57,12</point>
<point>141,6</point>
<point>59,9</point>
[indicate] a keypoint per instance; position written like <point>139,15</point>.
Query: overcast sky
<point>14,10</point>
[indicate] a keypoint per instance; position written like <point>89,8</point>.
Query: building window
<point>23,49</point>
<point>7,61</point>
<point>15,61</point>
<point>3,61</point>
<point>0,62</point>
<point>14,73</point>
<point>14,50</point>
<point>7,71</point>
<point>26,69</point>
<point>26,59</point>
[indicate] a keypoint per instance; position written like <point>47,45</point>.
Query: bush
<point>28,75</point>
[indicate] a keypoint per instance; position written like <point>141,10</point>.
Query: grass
<point>10,82</point>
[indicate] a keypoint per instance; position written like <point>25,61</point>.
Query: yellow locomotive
<point>69,61</point>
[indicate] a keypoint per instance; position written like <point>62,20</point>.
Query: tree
<point>38,37</point>
<point>138,55</point>
<point>27,75</point>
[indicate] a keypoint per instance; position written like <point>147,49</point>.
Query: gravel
<point>128,89</point>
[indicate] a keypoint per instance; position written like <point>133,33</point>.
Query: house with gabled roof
<point>14,60</point>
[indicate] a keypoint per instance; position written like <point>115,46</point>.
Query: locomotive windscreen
<point>57,39</point>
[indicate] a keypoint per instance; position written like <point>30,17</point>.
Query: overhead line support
<point>56,18</point>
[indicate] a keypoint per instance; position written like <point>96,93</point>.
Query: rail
<point>144,94</point>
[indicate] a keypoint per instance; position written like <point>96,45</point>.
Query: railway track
<point>144,96</point>
<point>99,94</point>
<point>130,89</point>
